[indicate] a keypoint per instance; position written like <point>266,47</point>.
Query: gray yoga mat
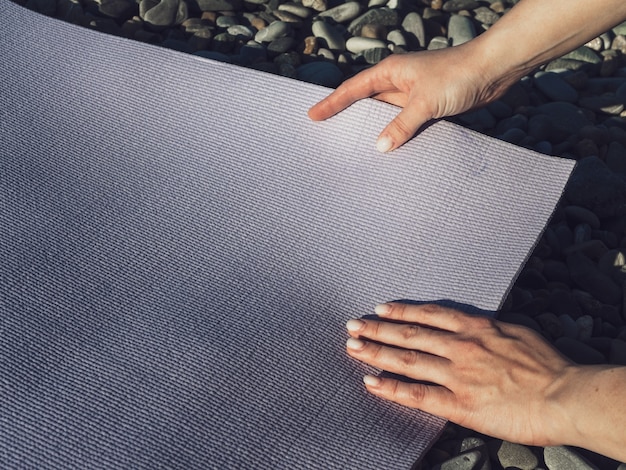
<point>180,248</point>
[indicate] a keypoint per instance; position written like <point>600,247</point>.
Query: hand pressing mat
<point>180,249</point>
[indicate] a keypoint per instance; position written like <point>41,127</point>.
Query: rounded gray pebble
<point>554,87</point>
<point>342,13</point>
<point>275,30</point>
<point>460,30</point>
<point>358,44</point>
<point>329,35</point>
<point>564,458</point>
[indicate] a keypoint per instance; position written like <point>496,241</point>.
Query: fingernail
<point>355,344</point>
<point>384,144</point>
<point>371,381</point>
<point>354,325</point>
<point>382,309</point>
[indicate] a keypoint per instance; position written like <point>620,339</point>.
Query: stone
<point>617,354</point>
<point>587,276</point>
<point>240,31</point>
<point>554,87</point>
<point>460,30</point>
<point>564,115</point>
<point>619,43</point>
<point>383,16</point>
<point>565,458</point>
<point>326,54</point>
<point>280,46</point>
<point>608,104</point>
<point>517,121</point>
<point>465,461</point>
<point>223,43</point>
<point>375,55</point>
<point>396,37</point>
<point>216,5</point>
<point>579,352</point>
<point>486,15</point>
<point>577,214</point>
<point>551,324</point>
<point>294,20</point>
<point>295,9</point>
<point>561,64</point>
<point>374,31</point>
<point>569,326</point>
<point>121,10</point>
<point>328,36</point>
<point>615,158</point>
<point>413,26</point>
<point>226,22</point>
<point>438,42</point>
<point>479,119</point>
<point>161,14</point>
<point>453,6</point>
<point>594,186</point>
<point>516,456</point>
<point>72,12</point>
<point>252,53</point>
<point>585,328</point>
<point>317,5</point>
<point>592,249</point>
<point>342,13</point>
<point>275,30</point>
<point>320,73</point>
<point>359,44</point>
<point>584,54</point>
<point>311,45</point>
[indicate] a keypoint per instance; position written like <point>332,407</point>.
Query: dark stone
<point>380,16</point>
<point>594,186</point>
<point>579,352</point>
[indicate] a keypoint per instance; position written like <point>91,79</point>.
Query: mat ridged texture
<point>180,249</point>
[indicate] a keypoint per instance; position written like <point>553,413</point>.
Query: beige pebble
<point>374,31</point>
<point>310,45</point>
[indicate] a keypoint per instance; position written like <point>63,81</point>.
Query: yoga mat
<point>181,247</point>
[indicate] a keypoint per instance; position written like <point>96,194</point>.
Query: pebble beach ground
<point>573,288</point>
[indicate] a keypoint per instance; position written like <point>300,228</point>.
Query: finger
<point>432,315</point>
<point>402,335</point>
<point>363,85</point>
<point>430,398</point>
<point>414,364</point>
<point>402,128</point>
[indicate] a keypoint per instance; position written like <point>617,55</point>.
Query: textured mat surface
<point>180,248</point>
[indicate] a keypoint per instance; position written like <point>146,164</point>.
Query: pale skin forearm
<point>597,397</point>
<point>536,31</point>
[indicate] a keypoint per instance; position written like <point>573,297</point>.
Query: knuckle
<point>409,358</point>
<point>400,127</point>
<point>410,332</point>
<point>417,393</point>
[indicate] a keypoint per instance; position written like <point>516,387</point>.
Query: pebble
<point>555,87</point>
<point>383,16</point>
<point>453,6</point>
<point>466,461</point>
<point>121,10</point>
<point>320,73</point>
<point>359,44</point>
<point>295,9</point>
<point>396,37</point>
<point>374,31</point>
<point>460,30</point>
<point>161,14</point>
<point>579,352</point>
<point>328,36</point>
<point>342,13</point>
<point>486,15</point>
<point>275,30</point>
<point>516,456</point>
<point>618,352</point>
<point>217,5</point>
<point>413,26</point>
<point>565,458</point>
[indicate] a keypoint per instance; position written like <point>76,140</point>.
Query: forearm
<point>536,31</point>
<point>594,409</point>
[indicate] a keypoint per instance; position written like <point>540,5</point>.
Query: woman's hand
<point>499,379</point>
<point>428,85</point>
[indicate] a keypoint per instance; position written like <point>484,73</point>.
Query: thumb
<point>401,129</point>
